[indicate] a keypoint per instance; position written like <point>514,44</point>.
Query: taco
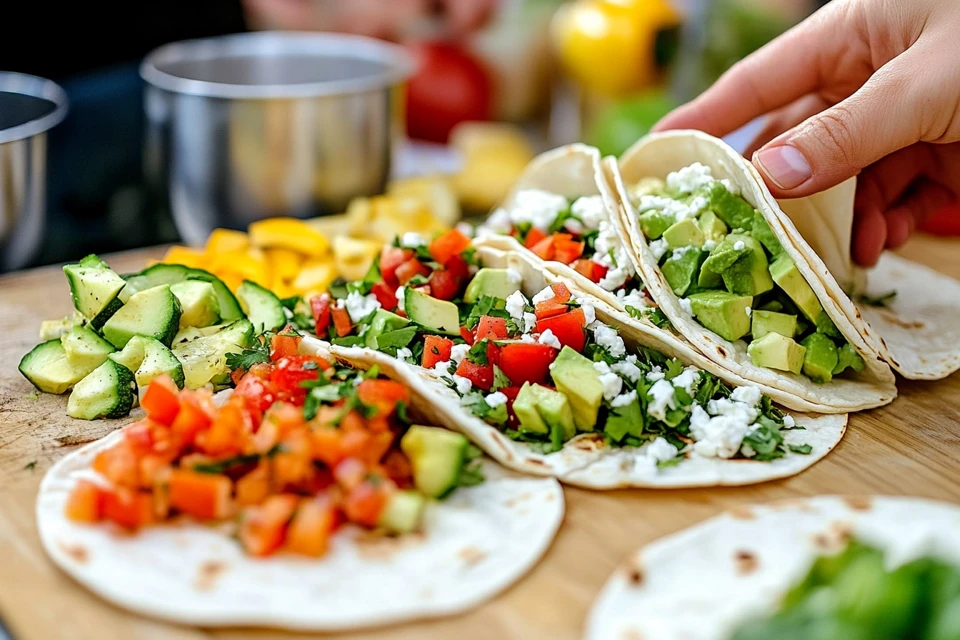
<point>709,240</point>
<point>549,380</point>
<point>302,500</point>
<point>809,569</point>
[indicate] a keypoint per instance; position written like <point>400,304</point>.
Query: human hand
<point>869,86</point>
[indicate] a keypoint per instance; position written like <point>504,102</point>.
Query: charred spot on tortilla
<point>742,512</point>
<point>892,318</point>
<point>858,503</point>
<point>471,555</point>
<point>589,442</point>
<point>746,561</point>
<point>78,553</point>
<point>538,463</point>
<point>512,502</point>
<point>208,573</point>
<point>631,634</point>
<point>835,538</point>
<point>377,545</point>
<point>635,575</point>
<point>722,351</point>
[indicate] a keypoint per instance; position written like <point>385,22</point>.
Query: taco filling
<point>729,271</point>
<point>301,447</point>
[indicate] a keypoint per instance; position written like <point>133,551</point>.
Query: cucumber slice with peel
<point>205,358</point>
<point>85,349</point>
<point>262,307</point>
<point>47,368</point>
<point>108,392</point>
<point>154,313</point>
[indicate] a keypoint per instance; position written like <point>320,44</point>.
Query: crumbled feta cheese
<point>359,306</point>
<point>624,399</point>
<point>513,276</point>
<point>529,322</point>
<point>680,252</point>
<point>656,373</point>
<point>545,294</point>
<point>739,245</point>
<point>628,369</point>
<point>687,379</point>
<point>732,188</point>
<point>442,368</point>
<point>529,339</point>
<point>341,303</point>
<point>589,313</point>
<point>463,384</point>
<point>689,179</point>
<point>666,206</point>
<point>748,395</point>
<point>465,228</point>
<point>789,422</point>
<point>709,245</point>
<point>549,339</point>
<point>658,247</point>
<point>606,244</point>
<point>412,240</point>
<point>634,298</point>
<point>495,399</point>
<point>739,410</point>
<point>516,302</point>
<point>608,338</point>
<point>540,208</point>
<point>612,383</point>
<point>686,306</point>
<point>404,354</point>
<point>662,397</point>
<point>661,450</point>
<point>590,210</point>
<point>748,310</point>
<point>718,436</point>
<point>697,205</point>
<point>401,294</point>
<point>458,352</point>
<point>747,450</point>
<point>497,223</point>
<point>613,279</point>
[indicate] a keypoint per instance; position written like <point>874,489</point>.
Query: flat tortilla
<point>703,582</point>
<point>657,155</point>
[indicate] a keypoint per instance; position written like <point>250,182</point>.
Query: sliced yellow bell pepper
<point>247,265</point>
<point>315,274</point>
<point>353,256</point>
<point>223,240</point>
<point>289,233</point>
<point>434,193</point>
<point>186,256</point>
<point>284,264</point>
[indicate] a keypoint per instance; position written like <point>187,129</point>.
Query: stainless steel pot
<point>254,125</point>
<point>29,107</point>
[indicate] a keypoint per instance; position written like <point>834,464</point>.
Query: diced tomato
<point>390,259</point>
<point>560,292</point>
<point>567,250</point>
<point>309,531</point>
<point>568,328</point>
<point>320,306</point>
<point>526,362</point>
<point>291,371</point>
<point>349,473</point>
<point>201,495</point>
<point>126,507</point>
<point>493,353</point>
<point>492,328</point>
<point>444,285</point>
<point>458,267</point>
<point>263,528</point>
<point>945,221</point>
<point>556,305</point>
<point>84,502</point>
<point>326,445</point>
<point>258,393</point>
<point>196,415</point>
<point>366,501</point>
<point>386,295</point>
<point>481,375</point>
<point>228,430</point>
<point>534,237</point>
<point>398,468</point>
<point>119,465</point>
<point>590,269</point>
<point>384,395</point>
<point>435,349</point>
<point>341,321</point>
<point>411,268</point>
<point>254,486</point>
<point>292,464</point>
<point>283,345</point>
<point>452,243</point>
<point>161,400</point>
<point>546,248</point>
<point>467,335</point>
<point>510,392</point>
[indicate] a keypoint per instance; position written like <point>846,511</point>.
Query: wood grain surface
<point>911,447</point>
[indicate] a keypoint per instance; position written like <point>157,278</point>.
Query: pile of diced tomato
<point>290,482</point>
<point>562,247</point>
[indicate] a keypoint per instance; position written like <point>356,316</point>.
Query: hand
<point>862,85</point>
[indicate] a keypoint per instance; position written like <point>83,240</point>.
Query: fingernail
<point>784,165</point>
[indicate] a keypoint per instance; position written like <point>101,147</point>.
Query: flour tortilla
<point>475,544</point>
<point>586,460</point>
<point>703,582</point>
<point>657,155</point>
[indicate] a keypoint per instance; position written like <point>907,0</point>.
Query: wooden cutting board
<point>910,447</point>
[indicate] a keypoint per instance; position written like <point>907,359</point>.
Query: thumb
<point>839,142</point>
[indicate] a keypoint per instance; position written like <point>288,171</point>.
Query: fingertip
<point>900,224</point>
<point>869,237</point>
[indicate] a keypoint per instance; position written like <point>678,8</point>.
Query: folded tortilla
<point>704,582</point>
<point>474,545</point>
<point>656,156</point>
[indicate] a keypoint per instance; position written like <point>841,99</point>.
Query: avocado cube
<point>749,275</point>
<point>765,322</point>
<point>847,357</point>
<point>437,457</point>
<point>496,283</point>
<point>708,279</point>
<point>736,212</point>
<point>681,270</point>
<point>575,377</point>
<point>554,409</point>
<point>774,351</point>
<point>821,357</point>
<point>648,186</point>
<point>525,407</point>
<point>685,233</point>
<point>723,313</point>
<point>724,255</point>
<point>785,273</point>
<point>433,314</point>
<point>762,232</point>
<point>624,421</point>
<point>654,223</point>
<point>199,304</point>
<point>383,322</point>
<point>712,226</point>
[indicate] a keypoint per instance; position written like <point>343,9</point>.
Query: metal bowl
<point>29,107</point>
<point>249,126</point>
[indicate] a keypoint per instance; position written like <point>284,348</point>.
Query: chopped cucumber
<point>94,291</point>
<point>94,262</point>
<point>205,358</point>
<point>85,349</point>
<point>148,358</point>
<point>171,274</point>
<point>262,307</point>
<point>154,313</point>
<point>199,304</point>
<point>187,334</point>
<point>55,329</point>
<point>437,457</point>
<point>107,392</point>
<point>403,512</point>
<point>47,367</point>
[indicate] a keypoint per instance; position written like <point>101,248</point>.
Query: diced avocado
<point>383,321</point>
<point>172,273</point>
<point>772,305</point>
<point>708,279</point>
<point>94,262</point>
<point>788,277</point>
<point>724,255</point>
<point>205,358</point>
<point>847,357</point>
<point>654,223</point>
<point>681,270</point>
<point>723,313</point>
<point>774,351</point>
<point>403,512</point>
<point>198,303</point>
<point>765,322</point>
<point>525,407</point>
<point>685,233</point>
<point>554,408</point>
<point>821,357</point>
<point>497,283</point>
<point>55,329</point>
<point>262,307</point>
<point>748,276</point>
<point>574,376</point>
<point>736,212</point>
<point>437,457</point>
<point>94,289</point>
<point>47,367</point>
<point>826,326</point>
<point>148,358</point>
<point>85,349</point>
<point>430,313</point>
<point>712,227</point>
<point>647,186</point>
<point>106,393</point>
<point>625,421</point>
<point>762,232</point>
<point>154,313</point>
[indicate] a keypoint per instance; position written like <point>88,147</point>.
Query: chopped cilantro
<point>561,220</point>
<point>670,462</point>
<point>879,301</point>
<point>472,472</point>
<point>500,379</point>
<point>485,306</point>
<point>397,339</point>
<point>223,466</point>
<point>290,303</point>
<point>802,449</point>
<point>30,466</point>
<point>652,315</point>
<point>475,402</point>
<point>478,353</point>
<point>348,341</point>
<point>249,357</point>
<point>338,289</point>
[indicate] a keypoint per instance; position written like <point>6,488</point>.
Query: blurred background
<point>153,140</point>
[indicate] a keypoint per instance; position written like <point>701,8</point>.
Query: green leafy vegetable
<point>248,357</point>
<point>472,472</point>
<point>882,300</point>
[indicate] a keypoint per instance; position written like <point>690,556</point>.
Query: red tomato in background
<point>449,87</point>
<point>945,221</point>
